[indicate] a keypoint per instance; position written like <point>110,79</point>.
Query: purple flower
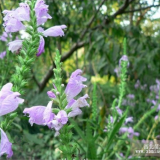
<point>59,120</point>
<point>75,84</point>
<point>40,29</point>
<point>13,25</point>
<point>129,130</point>
<point>76,105</point>
<point>54,31</point>
<point>41,46</point>
<point>5,145</point>
<point>62,117</point>
<point>51,94</point>
<point>23,12</point>
<point>130,96</point>
<point>15,45</point>
<point>119,111</point>
<point>124,58</point>
<point>3,37</point>
<point>40,115</point>
<point>12,19</point>
<point>156,117</point>
<point>41,10</point>
<point>129,119</point>
<point>2,54</point>
<point>55,124</point>
<point>9,100</point>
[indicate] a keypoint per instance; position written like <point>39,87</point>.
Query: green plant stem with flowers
<point>67,146</point>
<point>27,53</point>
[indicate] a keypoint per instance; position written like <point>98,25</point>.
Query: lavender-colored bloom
<point>75,112</point>
<point>80,102</point>
<point>129,119</point>
<point>130,96</point>
<point>40,115</point>
<point>41,10</point>
<point>119,111</point>
<point>3,37</point>
<point>51,94</point>
<point>156,117</point>
<point>158,108</point>
<point>111,119</point>
<point>137,84</point>
<point>41,46</point>
<point>54,31</point>
<point>2,54</point>
<point>124,58</point>
<point>55,124</point>
<point>13,25</point>
<point>62,117</point>
<point>23,12</point>
<point>15,45</point>
<point>129,130</point>
<point>9,100</point>
<point>75,85</point>
<point>5,145</point>
<point>76,104</point>
<point>40,29</point>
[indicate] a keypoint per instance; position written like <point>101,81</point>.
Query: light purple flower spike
<point>9,100</point>
<point>2,54</point>
<point>15,45</point>
<point>41,10</point>
<point>54,31</point>
<point>75,85</point>
<point>5,145</point>
<point>40,115</point>
<point>41,46</point>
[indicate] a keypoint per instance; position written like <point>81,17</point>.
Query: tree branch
<point>140,9</point>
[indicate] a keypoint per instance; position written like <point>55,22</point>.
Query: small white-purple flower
<point>41,10</point>
<point>55,31</point>
<point>15,45</point>
<point>5,145</point>
<point>2,54</point>
<point>9,100</point>
<point>40,115</point>
<point>41,46</point>
<point>75,85</point>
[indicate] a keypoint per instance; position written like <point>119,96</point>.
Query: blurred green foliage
<point>92,42</point>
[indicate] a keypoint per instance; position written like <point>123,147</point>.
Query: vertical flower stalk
<point>67,107</point>
<point>26,57</point>
<point>123,65</point>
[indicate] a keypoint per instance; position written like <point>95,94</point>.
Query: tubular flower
<point>12,19</point>
<point>9,100</point>
<point>40,115</point>
<point>5,145</point>
<point>15,45</point>
<point>76,105</point>
<point>75,84</point>
<point>2,54</point>
<point>41,10</point>
<point>41,46</point>
<point>55,31</point>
